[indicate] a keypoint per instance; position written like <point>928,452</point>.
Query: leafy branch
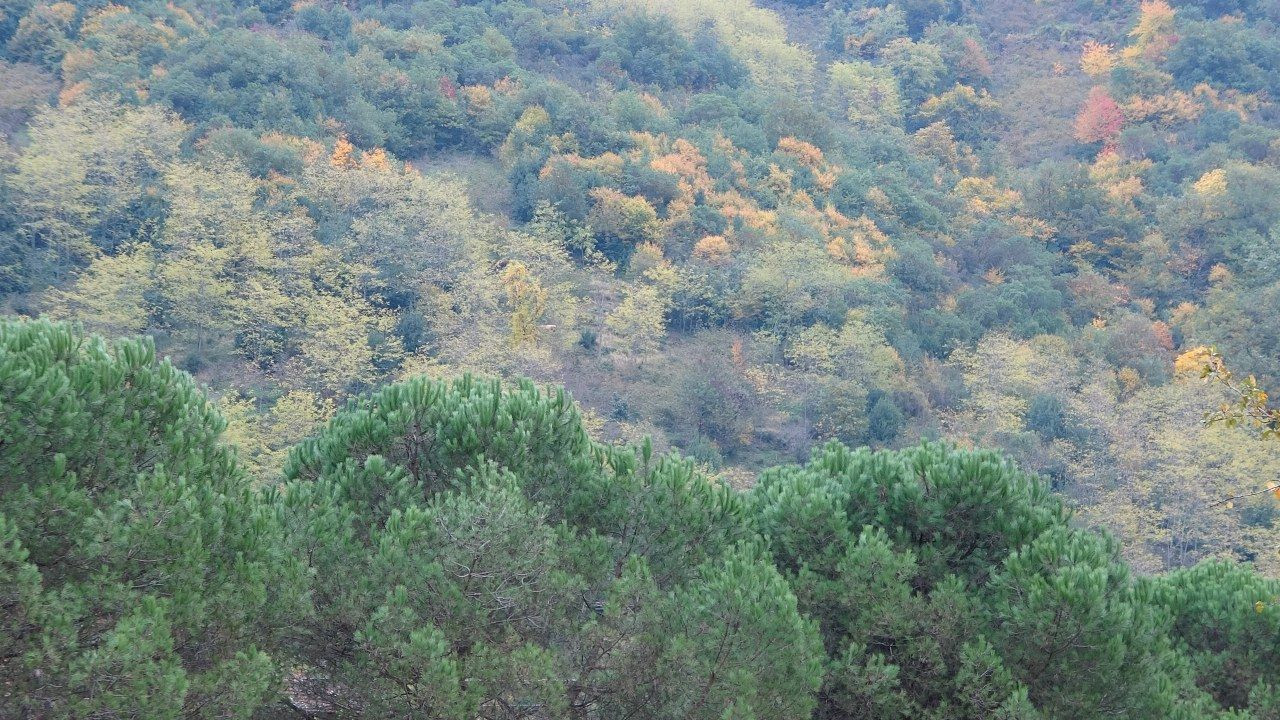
<point>1249,404</point>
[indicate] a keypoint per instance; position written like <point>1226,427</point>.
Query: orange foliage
<point>71,93</point>
<point>343,154</point>
<point>376,159</point>
<point>805,153</point>
<point>811,157</point>
<point>858,242</point>
<point>713,248</point>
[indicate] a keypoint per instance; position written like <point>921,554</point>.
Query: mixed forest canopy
<point>463,549</point>
<point>741,231</point>
<point>464,358</point>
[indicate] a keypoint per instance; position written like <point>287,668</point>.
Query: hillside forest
<point>472,359</point>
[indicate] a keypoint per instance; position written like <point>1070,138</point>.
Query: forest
<point>620,359</point>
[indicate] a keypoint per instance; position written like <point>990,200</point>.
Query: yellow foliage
<point>638,323</point>
<point>534,117</point>
<point>1154,31</point>
<point>1167,109</point>
<point>1234,100</point>
<point>1212,184</point>
<point>527,302</point>
<point>778,180</point>
<point>937,140</point>
<point>1096,59</point>
<point>1119,178</point>
<point>477,98</point>
<point>1194,360</point>
<point>646,257</point>
<point>1129,380</point>
<point>754,35</point>
<point>109,296</point>
<point>1183,313</point>
<point>985,197</point>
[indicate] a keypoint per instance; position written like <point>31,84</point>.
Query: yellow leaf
<point>1259,606</point>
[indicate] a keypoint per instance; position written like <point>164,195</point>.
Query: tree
<point>1071,628</point>
<point>41,37</point>
<point>1100,118</point>
<point>111,295</point>
<point>838,371</point>
<point>493,557</point>
<point>1248,404</point>
<point>639,322</point>
<point>866,95</point>
<point>947,582</point>
<point>1225,619</point>
<point>621,223</point>
<point>973,115</point>
<point>87,180</point>
<point>138,558</point>
<point>527,301</point>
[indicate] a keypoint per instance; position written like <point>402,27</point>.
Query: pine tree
<point>474,551</point>
<point>135,560</point>
<point>1226,621</point>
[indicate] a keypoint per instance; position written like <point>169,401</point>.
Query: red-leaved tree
<point>1100,118</point>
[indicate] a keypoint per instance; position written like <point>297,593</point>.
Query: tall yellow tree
<point>111,296</point>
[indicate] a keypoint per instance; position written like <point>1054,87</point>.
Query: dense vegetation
<point>741,232</point>
<point>464,550</point>
<point>755,234</point>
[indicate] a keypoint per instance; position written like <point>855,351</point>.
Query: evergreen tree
<point>1226,621</point>
<point>475,554</point>
<point>142,575</point>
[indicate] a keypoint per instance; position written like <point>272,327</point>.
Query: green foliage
<point>142,574</point>
<point>482,536</point>
<point>440,432</point>
<point>1226,620</point>
<point>670,207</point>
<point>946,583</point>
<point>1068,623</point>
<point>463,548</point>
